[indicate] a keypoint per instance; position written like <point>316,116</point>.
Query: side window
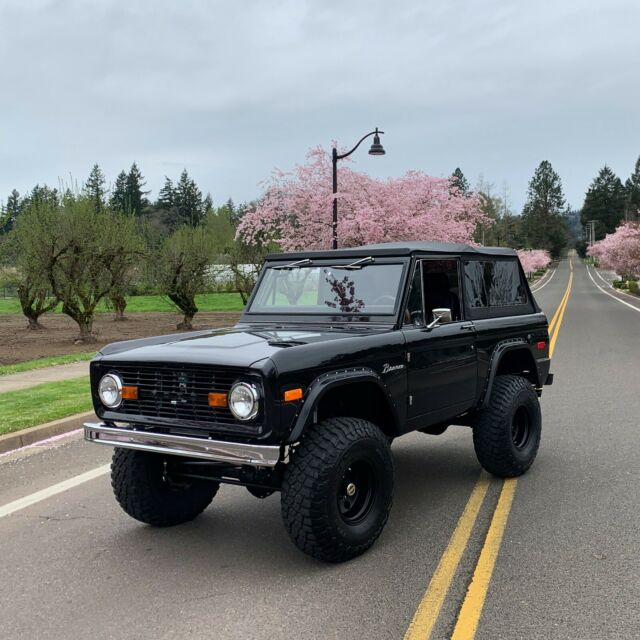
<point>414,314</point>
<point>475,292</point>
<point>505,287</point>
<point>441,287</point>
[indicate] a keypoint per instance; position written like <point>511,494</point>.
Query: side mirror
<point>440,316</point>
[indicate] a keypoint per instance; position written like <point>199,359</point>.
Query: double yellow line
<point>468,619</point>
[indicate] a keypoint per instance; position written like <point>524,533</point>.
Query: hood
<point>240,346</point>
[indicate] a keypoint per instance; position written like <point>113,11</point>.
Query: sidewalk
<point>26,379</point>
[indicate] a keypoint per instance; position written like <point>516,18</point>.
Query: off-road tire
<point>312,498</point>
<point>512,399</point>
<point>137,478</point>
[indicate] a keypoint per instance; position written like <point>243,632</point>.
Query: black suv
<point>336,354</point>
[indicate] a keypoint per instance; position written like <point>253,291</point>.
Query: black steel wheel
<point>506,435</point>
<point>146,492</point>
<point>337,489</point>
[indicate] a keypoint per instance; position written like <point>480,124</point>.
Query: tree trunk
<point>186,325</point>
<point>85,325</point>
<point>34,325</point>
<point>119,305</point>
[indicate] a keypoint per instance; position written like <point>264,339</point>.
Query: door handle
<point>467,326</point>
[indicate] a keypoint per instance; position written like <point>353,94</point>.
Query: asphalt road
<point>74,566</point>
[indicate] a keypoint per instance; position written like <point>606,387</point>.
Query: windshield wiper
<point>358,264</point>
<point>294,265</point>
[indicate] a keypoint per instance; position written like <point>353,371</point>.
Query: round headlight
<point>243,401</point>
<point>110,390</point>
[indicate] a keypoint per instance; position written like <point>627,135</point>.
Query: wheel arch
<point>367,396</point>
<point>513,357</point>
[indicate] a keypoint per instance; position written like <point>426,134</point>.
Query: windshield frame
<point>337,316</point>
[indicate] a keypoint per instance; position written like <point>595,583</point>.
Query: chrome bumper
<point>214,450</point>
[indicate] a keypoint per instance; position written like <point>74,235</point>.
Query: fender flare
<point>499,351</point>
<point>328,381</point>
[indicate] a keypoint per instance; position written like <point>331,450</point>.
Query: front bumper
<point>214,450</point>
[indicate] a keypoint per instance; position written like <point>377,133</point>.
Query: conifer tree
<point>188,202</point>
<point>11,212</point>
<point>458,180</point>
<point>604,203</point>
<point>94,188</point>
<point>135,196</point>
<point>166,195</point>
<point>118,200</point>
<point>632,188</point>
<point>544,226</point>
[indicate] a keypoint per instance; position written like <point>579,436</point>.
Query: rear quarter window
<point>495,288</point>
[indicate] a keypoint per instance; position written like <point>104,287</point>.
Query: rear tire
<point>506,435</point>
<point>142,490</point>
<point>338,489</point>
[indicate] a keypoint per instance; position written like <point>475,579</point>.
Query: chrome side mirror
<point>440,316</point>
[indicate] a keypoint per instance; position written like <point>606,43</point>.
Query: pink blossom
<point>620,251</point>
<point>533,259</point>
<point>296,208</point>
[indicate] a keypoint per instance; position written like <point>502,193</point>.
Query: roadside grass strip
<point>41,363</point>
<point>470,611</point>
<point>205,302</point>
<point>43,403</point>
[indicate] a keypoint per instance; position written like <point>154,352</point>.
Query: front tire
<point>144,491</point>
<point>338,489</point>
<point>506,435</point>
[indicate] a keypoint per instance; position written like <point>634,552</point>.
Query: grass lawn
<point>205,302</point>
<point>43,403</point>
<point>40,363</point>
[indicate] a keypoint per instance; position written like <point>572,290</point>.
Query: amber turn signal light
<point>218,400</point>
<point>129,393</point>
<point>292,394</point>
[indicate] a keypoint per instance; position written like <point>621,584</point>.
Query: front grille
<point>178,392</point>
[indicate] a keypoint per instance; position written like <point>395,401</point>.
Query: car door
<point>442,361</point>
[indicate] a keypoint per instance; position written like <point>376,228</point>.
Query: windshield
<point>329,290</point>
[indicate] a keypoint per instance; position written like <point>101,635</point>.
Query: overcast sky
<point>231,89</point>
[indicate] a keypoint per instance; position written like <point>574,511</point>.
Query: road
<point>567,561</point>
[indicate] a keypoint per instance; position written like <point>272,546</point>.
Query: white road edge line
<point>38,496</point>
<point>553,273</point>
<point>610,286</point>
<point>606,293</point>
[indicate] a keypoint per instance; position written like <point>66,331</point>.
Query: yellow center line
<point>471,610</point>
<point>431,603</point>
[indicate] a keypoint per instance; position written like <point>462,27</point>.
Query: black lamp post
<point>376,150</point>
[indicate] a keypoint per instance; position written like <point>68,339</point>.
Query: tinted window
<point>475,292</point>
<point>505,287</point>
<point>414,313</point>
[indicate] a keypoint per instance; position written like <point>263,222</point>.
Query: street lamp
<point>376,150</point>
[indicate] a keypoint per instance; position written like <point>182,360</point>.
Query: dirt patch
<point>17,343</point>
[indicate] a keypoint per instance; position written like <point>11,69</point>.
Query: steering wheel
<point>385,299</point>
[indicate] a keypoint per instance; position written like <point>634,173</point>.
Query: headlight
<point>110,391</point>
<point>243,401</point>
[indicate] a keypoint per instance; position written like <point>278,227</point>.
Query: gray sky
<point>231,89</point>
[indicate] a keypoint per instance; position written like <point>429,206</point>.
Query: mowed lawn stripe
<point>43,403</point>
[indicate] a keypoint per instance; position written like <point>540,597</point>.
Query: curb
<point>31,435</point>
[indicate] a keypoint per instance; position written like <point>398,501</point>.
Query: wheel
<point>337,489</point>
<point>506,435</point>
<point>144,491</point>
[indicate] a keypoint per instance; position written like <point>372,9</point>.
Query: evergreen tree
<point>207,204</point>
<point>135,196</point>
<point>632,188</point>
<point>118,200</point>
<point>11,212</point>
<point>166,195</point>
<point>604,203</point>
<point>189,207</point>
<point>458,180</point>
<point>544,226</point>
<point>94,188</point>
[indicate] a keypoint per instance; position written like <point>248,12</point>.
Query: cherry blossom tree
<point>533,259</point>
<point>295,210</point>
<point>620,251</point>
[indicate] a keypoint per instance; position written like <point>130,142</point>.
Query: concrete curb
<point>11,441</point>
